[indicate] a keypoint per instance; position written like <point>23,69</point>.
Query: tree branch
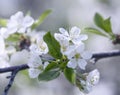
<point>99,56</point>
<point>15,69</point>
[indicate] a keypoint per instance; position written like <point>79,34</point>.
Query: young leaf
<point>70,75</point>
<point>102,23</point>
<point>107,25</point>
<point>3,22</point>
<point>98,19</point>
<point>47,76</point>
<point>53,45</point>
<point>95,31</point>
<point>51,66</point>
<point>41,19</point>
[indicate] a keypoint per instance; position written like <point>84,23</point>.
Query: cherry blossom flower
<point>78,56</point>
<point>93,77</point>
<point>40,47</point>
<point>64,43</point>
<point>91,80</point>
<point>19,23</point>
<point>73,35</point>
<point>36,65</point>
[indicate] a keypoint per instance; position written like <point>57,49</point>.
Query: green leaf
<point>47,76</point>
<point>107,25</point>
<point>53,45</point>
<point>51,66</point>
<point>98,19</point>
<point>102,23</point>
<point>70,75</point>
<point>3,22</point>
<point>41,19</point>
<point>95,31</point>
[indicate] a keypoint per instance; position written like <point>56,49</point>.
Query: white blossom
<point>91,80</point>
<point>73,35</point>
<point>78,56</point>
<point>19,57</point>
<point>19,23</point>
<point>4,32</point>
<point>40,47</point>
<point>93,77</point>
<point>2,45</point>
<point>34,64</point>
<point>64,43</point>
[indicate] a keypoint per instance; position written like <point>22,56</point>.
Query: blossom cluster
<point>11,54</point>
<point>73,47</point>
<point>29,46</point>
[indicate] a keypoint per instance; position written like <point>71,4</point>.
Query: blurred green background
<point>68,13</point>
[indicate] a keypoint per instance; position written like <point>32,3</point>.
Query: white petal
<point>79,48</point>
<point>70,51</point>
<point>42,46</point>
<point>93,77</point>
<point>75,32</point>
<point>63,31</point>
<point>83,37</point>
<point>10,50</point>
<point>87,88</point>
<point>22,30</point>
<point>45,64</point>
<point>82,63</point>
<point>20,57</point>
<point>61,38</point>
<point>34,61</point>
<point>18,16</point>
<point>4,32</point>
<point>79,39</point>
<point>33,73</point>
<point>72,63</point>
<point>28,21</point>
<point>34,49</point>
<point>2,45</point>
<point>86,55</point>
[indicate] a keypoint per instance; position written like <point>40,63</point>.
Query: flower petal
<point>33,73</point>
<point>72,63</point>
<point>82,63</point>
<point>79,48</point>
<point>79,39</point>
<point>74,32</point>
<point>34,61</point>
<point>86,55</point>
<point>28,21</point>
<point>63,31</point>
<point>2,45</point>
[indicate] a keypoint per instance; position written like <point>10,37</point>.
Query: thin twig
<point>12,77</point>
<point>15,69</point>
